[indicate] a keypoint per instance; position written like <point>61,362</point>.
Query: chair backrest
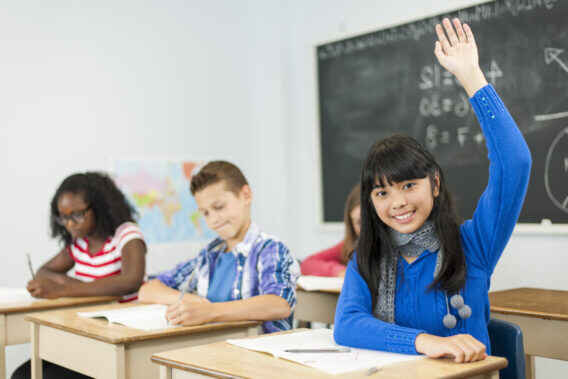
<point>507,341</point>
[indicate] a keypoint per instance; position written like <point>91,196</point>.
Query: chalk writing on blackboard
<point>557,165</point>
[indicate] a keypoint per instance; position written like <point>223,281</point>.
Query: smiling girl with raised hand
<point>419,280</point>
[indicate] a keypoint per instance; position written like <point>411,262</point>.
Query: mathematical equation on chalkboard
<point>445,97</point>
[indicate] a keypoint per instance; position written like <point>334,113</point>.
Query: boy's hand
<point>456,51</point>
<point>46,288</point>
<point>191,312</point>
<point>462,348</point>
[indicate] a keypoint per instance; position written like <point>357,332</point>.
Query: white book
<point>144,317</point>
<point>15,295</point>
<point>318,283</point>
<point>332,363</point>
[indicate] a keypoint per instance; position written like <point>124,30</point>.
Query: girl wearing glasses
<point>95,223</point>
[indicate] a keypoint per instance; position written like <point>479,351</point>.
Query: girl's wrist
<point>421,340</point>
<point>472,80</point>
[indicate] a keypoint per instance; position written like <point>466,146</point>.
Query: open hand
<point>462,348</point>
<point>46,288</point>
<point>456,51</point>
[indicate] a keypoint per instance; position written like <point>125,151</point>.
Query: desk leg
<point>253,331</point>
<point>120,359</point>
<point>165,372</point>
<point>3,333</point>
<point>530,372</point>
<point>36,364</point>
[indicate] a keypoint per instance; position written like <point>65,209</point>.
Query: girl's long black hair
<point>100,193</point>
<point>396,159</point>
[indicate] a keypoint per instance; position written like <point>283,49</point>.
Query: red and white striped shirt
<point>107,261</point>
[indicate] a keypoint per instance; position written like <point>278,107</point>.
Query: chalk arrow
<point>551,55</point>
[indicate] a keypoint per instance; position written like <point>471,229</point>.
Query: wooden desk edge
<point>63,302</point>
<point>198,370</point>
<point>496,364</point>
<point>499,363</point>
<point>534,314</point>
<point>144,335</point>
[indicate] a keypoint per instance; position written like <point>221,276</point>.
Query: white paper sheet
<point>315,283</point>
<point>331,363</point>
<point>144,317</point>
<point>15,295</point>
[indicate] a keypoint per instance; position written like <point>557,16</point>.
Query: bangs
<point>396,159</point>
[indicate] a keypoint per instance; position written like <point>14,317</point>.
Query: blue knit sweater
<point>418,310</point>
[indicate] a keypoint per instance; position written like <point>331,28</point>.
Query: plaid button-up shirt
<point>264,267</point>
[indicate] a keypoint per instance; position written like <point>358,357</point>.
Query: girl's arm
<point>56,268</point>
<point>128,281</point>
<point>356,326</point>
<point>325,263</point>
<point>500,204</point>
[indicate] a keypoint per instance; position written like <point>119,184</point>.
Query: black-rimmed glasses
<point>77,217</point>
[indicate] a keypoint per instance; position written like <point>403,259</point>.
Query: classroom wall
<point>529,260</point>
<point>84,82</point>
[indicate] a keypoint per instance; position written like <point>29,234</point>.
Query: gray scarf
<point>410,245</point>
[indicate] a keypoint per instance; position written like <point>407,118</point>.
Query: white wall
<point>84,81</point>
<point>529,260</point>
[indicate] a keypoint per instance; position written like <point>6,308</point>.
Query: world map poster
<point>159,190</point>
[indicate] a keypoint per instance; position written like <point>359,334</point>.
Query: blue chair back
<point>507,341</point>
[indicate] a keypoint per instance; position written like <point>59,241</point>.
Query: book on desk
<point>144,317</point>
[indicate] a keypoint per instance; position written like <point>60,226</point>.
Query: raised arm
<point>456,51</point>
<point>498,209</point>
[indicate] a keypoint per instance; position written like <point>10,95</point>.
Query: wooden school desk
<point>543,317</point>
<point>316,306</point>
<point>15,330</point>
<point>223,360</point>
<point>99,349</point>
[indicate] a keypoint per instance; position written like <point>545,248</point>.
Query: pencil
<point>30,265</point>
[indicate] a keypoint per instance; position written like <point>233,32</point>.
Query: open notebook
<point>331,363</point>
<point>318,283</point>
<point>145,317</point>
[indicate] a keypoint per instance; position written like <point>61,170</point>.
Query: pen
<point>184,288</point>
<point>324,350</point>
<point>30,265</point>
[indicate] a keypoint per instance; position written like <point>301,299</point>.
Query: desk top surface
<point>45,304</point>
<point>102,330</point>
<point>532,302</point>
<point>222,359</point>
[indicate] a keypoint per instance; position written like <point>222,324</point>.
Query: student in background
<point>95,224</point>
<point>419,281</point>
<point>244,274</point>
<point>333,261</point>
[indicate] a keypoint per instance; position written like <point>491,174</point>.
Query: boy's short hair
<point>216,171</point>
